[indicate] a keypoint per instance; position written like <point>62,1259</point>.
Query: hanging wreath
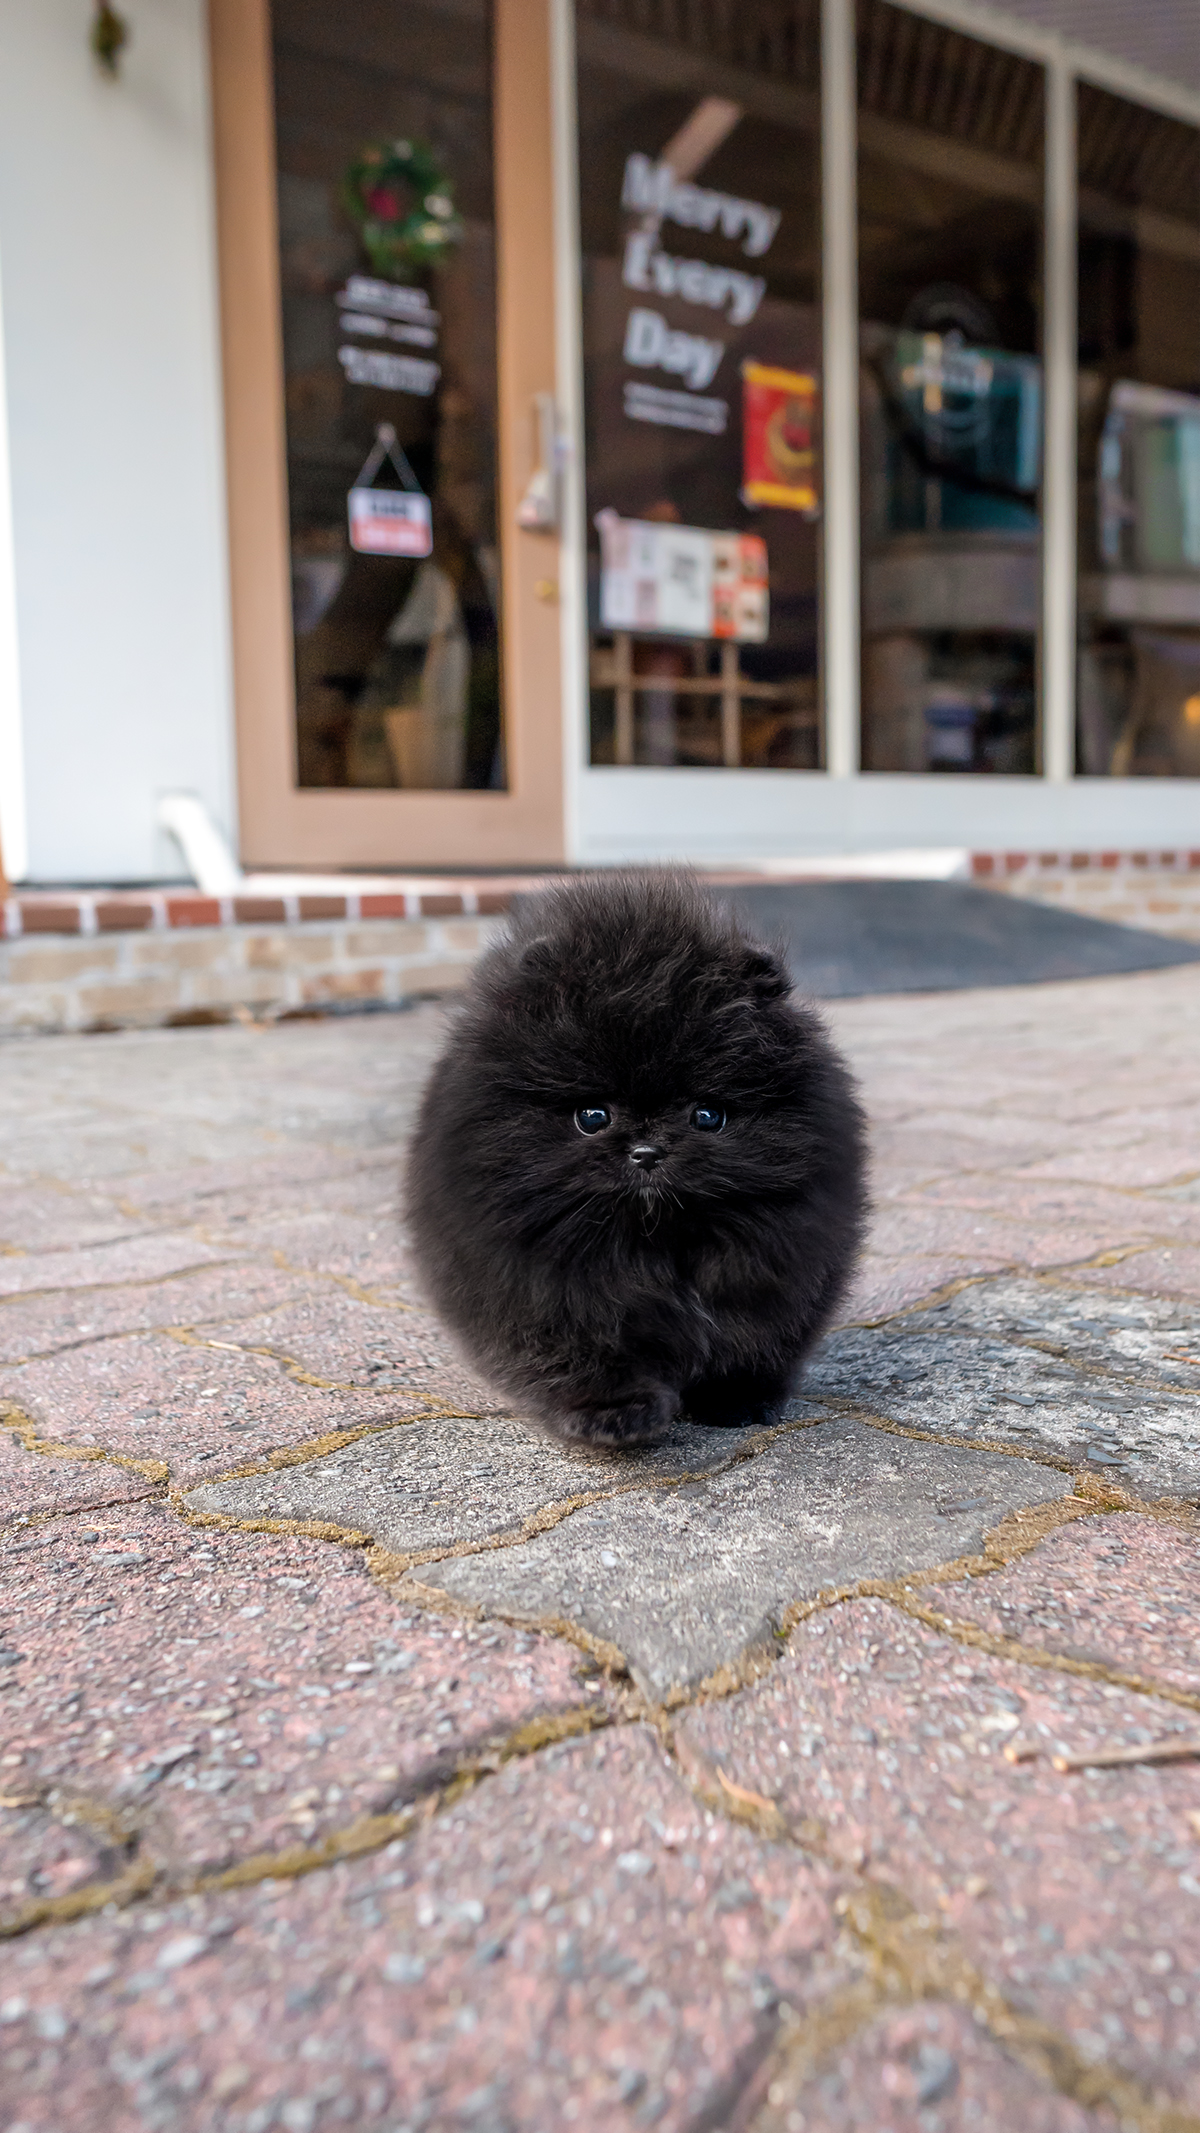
<point>110,35</point>
<point>401,203</point>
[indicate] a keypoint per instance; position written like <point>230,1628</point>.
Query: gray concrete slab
<point>1100,1380</point>
<point>448,1480</point>
<point>688,1580</point>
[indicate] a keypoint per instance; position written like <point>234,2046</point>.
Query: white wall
<point>107,261</point>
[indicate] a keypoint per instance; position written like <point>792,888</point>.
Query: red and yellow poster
<point>779,412</point>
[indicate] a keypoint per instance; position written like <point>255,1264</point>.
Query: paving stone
<point>1169,1271</point>
<point>924,2069</point>
<point>34,1487</point>
<point>1143,1341</point>
<point>443,1481</point>
<point>1041,1366</point>
<point>39,1325</point>
<point>1078,1894</point>
<point>1104,1214</point>
<point>347,1342</point>
<point>235,1693</point>
<point>277,1179</point>
<point>1122,1592</point>
<point>575,1942</point>
<point>188,1405</point>
<point>686,1581</point>
<point>1151,1163</point>
<point>950,1141</point>
<point>986,1240</point>
<point>883,1285</point>
<point>39,1219</point>
<point>1003,1122</point>
<point>365,1248</point>
<point>142,1101</point>
<point>153,1256</point>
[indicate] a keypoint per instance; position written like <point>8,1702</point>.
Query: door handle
<point>539,508</point>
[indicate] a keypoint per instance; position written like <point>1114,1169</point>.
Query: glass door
<point>409,710</point>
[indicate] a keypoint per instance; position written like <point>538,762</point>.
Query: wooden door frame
<point>280,823</point>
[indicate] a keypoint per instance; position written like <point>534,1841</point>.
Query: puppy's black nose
<point>645,1155</point>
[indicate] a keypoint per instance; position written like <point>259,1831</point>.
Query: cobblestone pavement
<point>367,1761</point>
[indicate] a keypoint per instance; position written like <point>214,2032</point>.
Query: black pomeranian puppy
<point>637,1180</point>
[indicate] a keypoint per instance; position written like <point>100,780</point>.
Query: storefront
<point>707,431</point>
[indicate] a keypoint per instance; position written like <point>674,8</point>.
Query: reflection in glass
<point>387,267</point>
<point>1139,441</point>
<point>698,144</point>
<point>950,222</point>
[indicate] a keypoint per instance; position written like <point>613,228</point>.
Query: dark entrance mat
<point>847,937</point>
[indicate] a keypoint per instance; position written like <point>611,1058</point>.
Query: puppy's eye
<point>707,1118</point>
<point>593,1118</point>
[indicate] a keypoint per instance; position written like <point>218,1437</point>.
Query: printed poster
<point>779,438</point>
<point>682,580</point>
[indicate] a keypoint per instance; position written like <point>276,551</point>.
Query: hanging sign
<point>778,438</point>
<point>682,580</point>
<point>389,521</point>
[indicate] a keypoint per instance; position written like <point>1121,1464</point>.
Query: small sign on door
<point>390,522</point>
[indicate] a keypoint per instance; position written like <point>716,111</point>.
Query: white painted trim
<point>13,839</point>
<point>839,455</point>
<point>1059,501</point>
<point>975,19</point>
<point>568,325</point>
<point>714,816</point>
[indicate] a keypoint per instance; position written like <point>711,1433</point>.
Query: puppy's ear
<point>539,960</point>
<point>765,975</point>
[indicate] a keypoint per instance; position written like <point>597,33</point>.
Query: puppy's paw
<point>621,1425</point>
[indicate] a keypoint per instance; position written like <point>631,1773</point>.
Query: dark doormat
<point>847,937</point>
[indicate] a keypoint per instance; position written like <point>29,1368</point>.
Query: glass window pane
<point>1138,705</point>
<point>950,185</point>
<point>387,265</point>
<point>699,169</point>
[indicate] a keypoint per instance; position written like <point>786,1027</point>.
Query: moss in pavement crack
<point>365,1834</point>
<point>29,1435</point>
<point>907,1958</point>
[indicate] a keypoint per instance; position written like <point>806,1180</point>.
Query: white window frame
<point>617,814</point>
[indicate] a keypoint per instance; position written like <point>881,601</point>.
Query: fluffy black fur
<point>608,1291</point>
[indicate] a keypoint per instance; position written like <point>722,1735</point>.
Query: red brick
<point>488,900</point>
<point>322,907</point>
<point>39,917</point>
<point>116,915</point>
<point>193,911</point>
<point>260,910</point>
<point>441,906</point>
<point>383,906</point>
